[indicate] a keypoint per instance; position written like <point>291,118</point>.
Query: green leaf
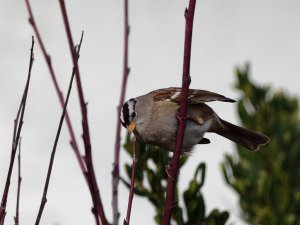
<point>266,180</point>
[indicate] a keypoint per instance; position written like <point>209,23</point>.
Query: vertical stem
<point>62,102</point>
<point>116,168</point>
<point>133,172</point>
<point>71,47</point>
<point>186,79</point>
<point>19,185</point>
<point>44,197</point>
<point>17,131</point>
<point>95,193</point>
<point>58,90</point>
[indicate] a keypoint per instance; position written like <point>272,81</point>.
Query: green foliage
<point>151,181</point>
<point>267,181</point>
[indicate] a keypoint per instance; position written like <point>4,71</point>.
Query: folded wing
<point>195,96</point>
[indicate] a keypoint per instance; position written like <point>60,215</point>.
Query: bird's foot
<point>170,172</point>
<point>187,117</point>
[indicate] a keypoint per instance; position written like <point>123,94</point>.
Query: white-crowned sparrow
<point>153,119</point>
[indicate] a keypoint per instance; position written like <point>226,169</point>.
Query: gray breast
<point>159,127</point>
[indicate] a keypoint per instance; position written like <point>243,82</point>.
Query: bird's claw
<point>170,172</point>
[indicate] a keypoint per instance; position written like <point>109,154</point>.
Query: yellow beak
<point>131,127</point>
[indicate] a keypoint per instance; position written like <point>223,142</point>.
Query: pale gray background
<point>226,34</point>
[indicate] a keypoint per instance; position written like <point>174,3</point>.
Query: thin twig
<point>133,172</point>
<point>16,136</point>
<point>95,193</point>
<point>186,79</point>
<point>61,100</point>
<point>44,198</point>
<point>17,221</point>
<point>58,91</point>
<point>116,167</point>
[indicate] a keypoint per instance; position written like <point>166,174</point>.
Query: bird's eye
<point>133,114</point>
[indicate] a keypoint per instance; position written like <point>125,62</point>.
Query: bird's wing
<point>173,94</point>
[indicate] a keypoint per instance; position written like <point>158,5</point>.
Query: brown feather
<point>247,138</point>
<point>173,94</point>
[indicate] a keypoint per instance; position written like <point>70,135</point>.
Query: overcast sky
<point>226,34</point>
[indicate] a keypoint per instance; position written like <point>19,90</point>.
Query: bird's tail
<point>244,137</point>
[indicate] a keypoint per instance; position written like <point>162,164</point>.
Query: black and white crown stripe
<point>126,111</point>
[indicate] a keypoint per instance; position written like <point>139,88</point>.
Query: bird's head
<point>128,115</point>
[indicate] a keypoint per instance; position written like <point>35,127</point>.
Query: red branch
<point>44,198</point>
<point>57,89</point>
<point>116,168</point>
<point>98,207</point>
<point>133,172</point>
<point>61,100</point>
<point>17,221</point>
<point>16,137</point>
<point>186,79</point>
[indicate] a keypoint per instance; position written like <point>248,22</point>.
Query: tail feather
<point>244,137</point>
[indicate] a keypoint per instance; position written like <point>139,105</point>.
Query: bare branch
<point>174,165</point>
<point>116,167</point>
<point>44,198</point>
<point>98,207</point>
<point>16,136</point>
<point>133,172</point>
<point>73,141</point>
<point>58,91</point>
<point>17,221</point>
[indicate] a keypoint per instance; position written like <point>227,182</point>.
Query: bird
<point>153,118</point>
